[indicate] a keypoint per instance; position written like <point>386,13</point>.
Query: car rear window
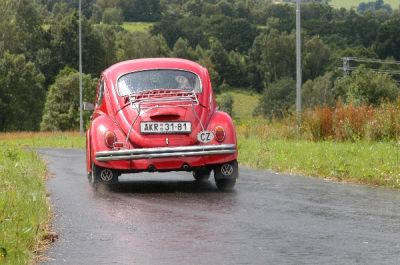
<point>141,81</point>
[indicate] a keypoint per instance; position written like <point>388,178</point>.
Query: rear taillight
<point>219,133</point>
<point>110,138</point>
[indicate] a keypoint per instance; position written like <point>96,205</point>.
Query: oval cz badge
<point>205,136</point>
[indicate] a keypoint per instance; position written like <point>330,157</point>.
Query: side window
<point>100,93</point>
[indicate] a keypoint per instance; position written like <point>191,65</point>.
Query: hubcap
<point>106,175</point>
<point>227,170</point>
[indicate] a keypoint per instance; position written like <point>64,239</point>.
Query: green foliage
<point>61,111</point>
<point>315,57</point>
<point>182,49</point>
<point>273,55</point>
<point>64,45</point>
<point>388,40</point>
<point>233,33</point>
<point>277,98</point>
<point>365,86</point>
<point>377,5</point>
<point>21,94</point>
<point>319,92</point>
<point>139,10</point>
<point>172,28</point>
<point>225,103</point>
<point>112,16</point>
<point>132,45</point>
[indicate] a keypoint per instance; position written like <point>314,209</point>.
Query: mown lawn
<point>354,3</point>
<point>137,26</point>
<point>244,103</point>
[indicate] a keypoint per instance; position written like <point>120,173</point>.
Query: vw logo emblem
<point>106,175</point>
<point>227,170</point>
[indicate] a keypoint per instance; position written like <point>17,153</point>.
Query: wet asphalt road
<point>171,219</point>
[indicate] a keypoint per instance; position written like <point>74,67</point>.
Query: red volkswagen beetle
<point>159,115</point>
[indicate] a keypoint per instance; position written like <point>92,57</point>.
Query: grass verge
<point>24,210</point>
<point>373,163</point>
<point>43,139</point>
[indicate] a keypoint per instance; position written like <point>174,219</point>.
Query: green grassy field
<point>273,145</point>
<point>373,163</point>
<point>354,3</point>
<point>137,26</point>
<point>243,104</point>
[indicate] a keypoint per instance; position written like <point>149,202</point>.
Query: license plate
<point>165,127</point>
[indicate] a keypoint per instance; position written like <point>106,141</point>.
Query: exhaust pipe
<point>186,167</point>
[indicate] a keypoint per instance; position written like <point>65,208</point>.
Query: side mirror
<point>88,106</point>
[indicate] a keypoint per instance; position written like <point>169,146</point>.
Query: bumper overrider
<point>166,152</point>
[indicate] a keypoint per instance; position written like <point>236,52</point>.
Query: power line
<point>347,68</point>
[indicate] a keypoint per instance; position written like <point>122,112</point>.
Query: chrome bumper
<point>166,152</point>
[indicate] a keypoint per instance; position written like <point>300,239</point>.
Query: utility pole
<point>298,63</point>
<point>80,71</point>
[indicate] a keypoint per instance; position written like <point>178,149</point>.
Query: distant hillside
<point>354,3</point>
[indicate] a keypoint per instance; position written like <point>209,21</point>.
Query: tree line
<point>247,44</point>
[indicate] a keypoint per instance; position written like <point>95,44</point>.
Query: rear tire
<point>225,184</point>
<point>201,174</point>
<point>103,175</point>
<point>226,174</point>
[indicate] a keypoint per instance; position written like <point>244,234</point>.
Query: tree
<point>378,5</point>
<point>316,55</point>
<point>65,50</point>
<point>388,38</point>
<point>182,49</point>
<point>61,111</point>
<point>21,27</point>
<point>220,60</point>
<point>225,103</point>
<point>132,45</point>
<point>277,98</point>
<point>274,55</point>
<point>365,86</point>
<point>172,28</point>
<point>112,16</point>
<point>21,94</point>
<point>234,33</point>
<point>140,10</point>
<point>281,17</point>
<point>319,92</point>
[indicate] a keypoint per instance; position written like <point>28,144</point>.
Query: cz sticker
<point>205,136</point>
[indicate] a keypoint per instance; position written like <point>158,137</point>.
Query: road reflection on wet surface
<point>171,219</point>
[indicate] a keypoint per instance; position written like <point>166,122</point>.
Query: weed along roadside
<point>24,209</point>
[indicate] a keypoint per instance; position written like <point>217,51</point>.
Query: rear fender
<point>221,118</point>
<point>99,127</point>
